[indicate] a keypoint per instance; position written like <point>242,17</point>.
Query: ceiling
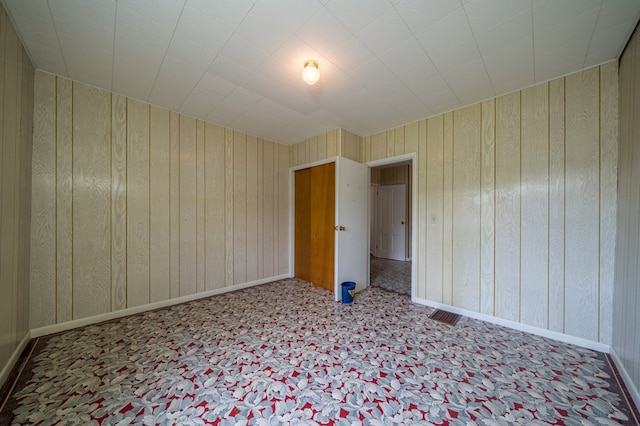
<point>383,63</point>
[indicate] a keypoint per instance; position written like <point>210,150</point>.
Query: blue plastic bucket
<point>348,289</point>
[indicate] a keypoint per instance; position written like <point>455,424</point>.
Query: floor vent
<point>445,317</point>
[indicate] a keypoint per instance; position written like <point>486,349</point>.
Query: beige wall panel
<point>8,188</point>
<point>91,201</point>
<point>252,209</point>
<point>608,188</point>
<point>351,145</point>
<point>435,199</point>
<point>159,204</point>
<point>322,146</point>
<point>64,200</point>
<point>378,146</point>
<point>138,284</point>
<point>556,205</point>
<point>534,221</point>
<point>214,207</point>
<point>312,149</point>
<point>332,143</point>
<point>16,138</point>
<point>626,333</point>
<point>188,206</point>
<point>42,305</point>
<point>466,208</point>
<point>398,141</point>
<point>447,210</point>
<point>581,244</point>
<point>391,143</point>
<point>269,242</point>
<point>411,138</point>
<point>26,138</point>
<point>507,236</point>
<point>420,251</point>
<point>283,213</point>
<point>239,208</point>
<point>229,165</point>
<point>487,206</point>
<point>260,208</point>
<point>25,191</point>
<point>174,203</point>
<point>366,148</point>
<point>118,202</point>
<point>302,151</point>
<point>200,233</point>
<point>625,330</point>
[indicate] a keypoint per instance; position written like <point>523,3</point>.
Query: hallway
<point>391,275</point>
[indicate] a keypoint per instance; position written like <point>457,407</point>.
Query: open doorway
<point>391,225</point>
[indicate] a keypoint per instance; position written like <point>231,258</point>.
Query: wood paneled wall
<point>626,328</point>
<point>16,118</point>
<point>337,142</point>
<point>134,204</point>
<point>516,203</point>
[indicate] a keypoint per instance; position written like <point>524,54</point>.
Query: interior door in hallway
<point>314,225</point>
<point>392,219</point>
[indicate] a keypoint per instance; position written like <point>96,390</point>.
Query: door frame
<point>412,157</point>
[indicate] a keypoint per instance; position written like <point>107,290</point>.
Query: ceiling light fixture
<point>310,72</point>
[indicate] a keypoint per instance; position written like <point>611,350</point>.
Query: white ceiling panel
<point>382,63</point>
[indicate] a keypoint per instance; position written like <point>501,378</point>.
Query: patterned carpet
<point>286,353</point>
<point>392,275</point>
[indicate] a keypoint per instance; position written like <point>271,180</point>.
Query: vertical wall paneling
<point>283,214</point>
<point>118,202</point>
<point>239,207</point>
<point>466,205</point>
<point>91,201</point>
<point>332,144</point>
<point>391,143</point>
<point>214,193</point>
<point>556,205</point>
<point>398,141</point>
<point>26,138</point>
<point>187,206</point>
<point>64,200</point>
<point>8,187</point>
<point>229,165</point>
<point>174,203</point>
<point>322,146</point>
<point>447,210</point>
<point>268,211</point>
<point>199,259</point>
<point>421,222</point>
<point>487,207</point>
<point>411,137</point>
<point>138,284</point>
<point>16,121</point>
<point>534,219</point>
<point>42,300</point>
<point>251,174</point>
<point>608,188</point>
<point>435,200</point>
<point>159,205</point>
<point>145,204</point>
<point>507,193</point>
<point>378,146</point>
<point>582,245</point>
<point>26,144</point>
<point>626,333</point>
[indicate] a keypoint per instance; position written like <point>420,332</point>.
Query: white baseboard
<point>56,328</point>
<point>4,374</point>
<point>633,390</point>
<point>585,343</point>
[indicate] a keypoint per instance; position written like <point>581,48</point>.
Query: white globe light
<point>310,72</point>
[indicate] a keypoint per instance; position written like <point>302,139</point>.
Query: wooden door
<point>314,225</point>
